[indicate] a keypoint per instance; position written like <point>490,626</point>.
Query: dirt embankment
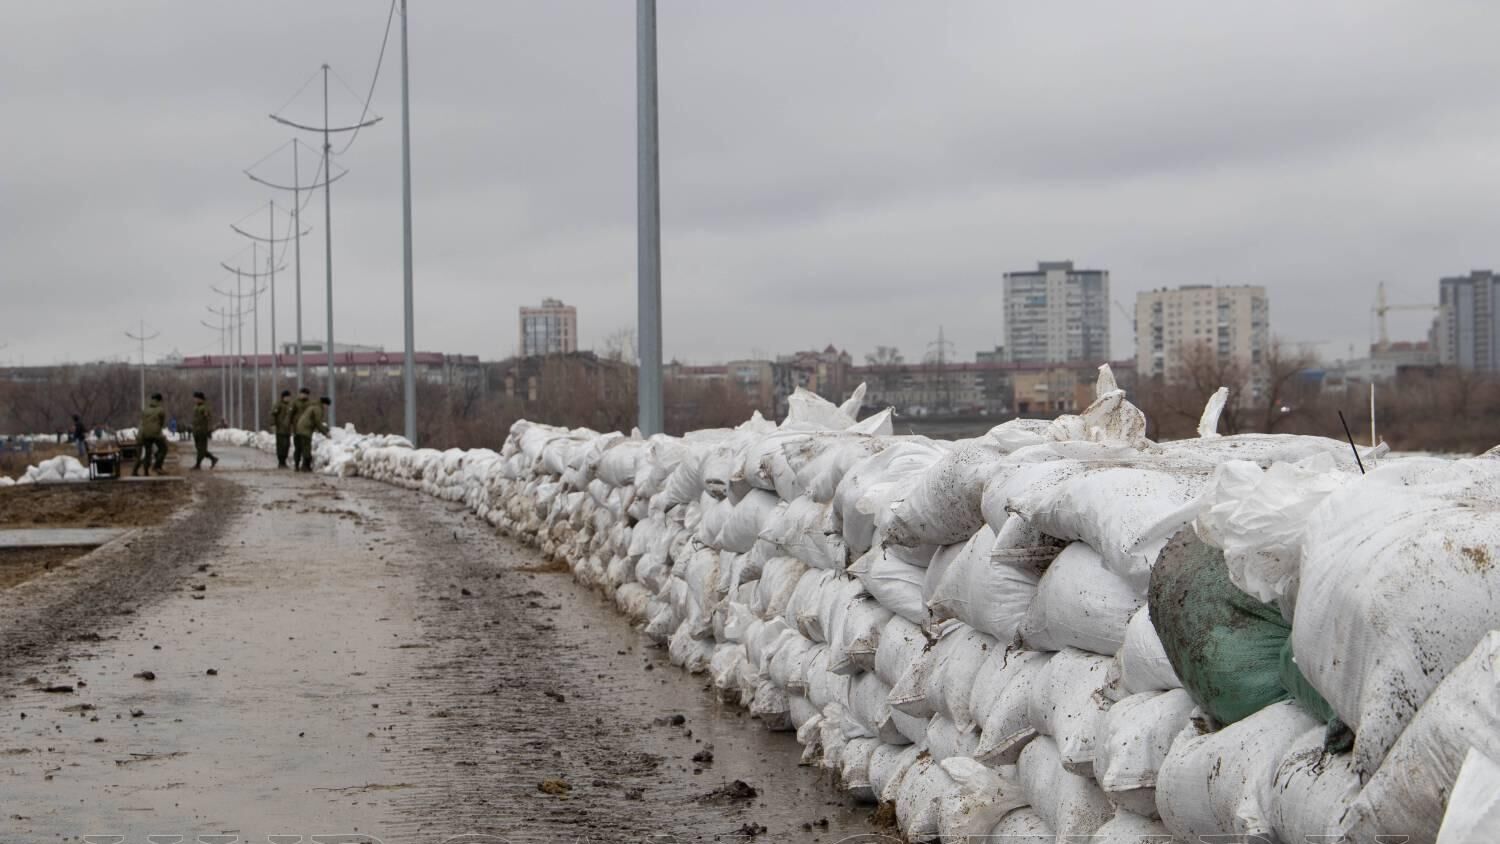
<point>97,504</point>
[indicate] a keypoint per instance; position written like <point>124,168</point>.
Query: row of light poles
<point>232,319</point>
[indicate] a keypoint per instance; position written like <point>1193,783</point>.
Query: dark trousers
<point>283,445</point>
<point>151,453</point>
<point>200,444</point>
<point>304,451</point>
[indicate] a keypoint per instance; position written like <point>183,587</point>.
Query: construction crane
<point>1381,308</point>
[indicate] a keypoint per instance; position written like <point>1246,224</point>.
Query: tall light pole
<point>648,223</point>
<point>254,275</point>
<point>271,240</point>
<point>142,338</point>
<point>325,129</point>
<point>409,373</point>
<point>297,189</point>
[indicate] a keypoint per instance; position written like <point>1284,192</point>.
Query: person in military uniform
<point>299,407</point>
<point>312,420</point>
<point>152,450</point>
<point>282,423</point>
<point>203,426</point>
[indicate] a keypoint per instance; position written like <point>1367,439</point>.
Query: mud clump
<point>737,790</point>
<point>555,787</point>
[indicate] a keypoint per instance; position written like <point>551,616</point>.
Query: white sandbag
<point>914,729</point>
<point>804,530</point>
<point>1399,583</point>
<point>864,620</point>
<point>990,595</point>
<point>1143,662</point>
<point>1129,828</point>
<point>940,506</point>
<point>807,410</point>
<point>1408,793</point>
<point>1080,604</point>
<point>746,520</point>
<point>1310,790</point>
<point>1070,804</point>
<point>945,740</point>
<point>831,738</point>
<point>724,667</point>
<point>1474,808</point>
<point>632,599</point>
<point>833,602</point>
<point>918,798</point>
<point>689,652</point>
<point>772,707</point>
<point>867,486</point>
<point>893,580</point>
<point>1258,518</point>
<point>888,764</point>
<point>1134,738</point>
<point>773,591</point>
<point>855,774</point>
<point>822,684</point>
<point>1023,826</point>
<point>918,693</point>
<point>1126,513</point>
<point>801,711</point>
<point>1210,784</point>
<point>981,799</point>
<point>1066,704</point>
<point>1264,449</point>
<point>820,476</point>
<point>870,708</point>
<point>802,608</point>
<point>1006,726</point>
<point>962,655</point>
<point>789,662</point>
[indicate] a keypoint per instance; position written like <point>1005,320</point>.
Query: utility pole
<point>254,296</point>
<point>409,369</point>
<point>231,413</point>
<point>223,353</point>
<point>325,129</point>
<point>142,338</point>
<point>297,189</point>
<point>271,240</point>
<point>651,411</point>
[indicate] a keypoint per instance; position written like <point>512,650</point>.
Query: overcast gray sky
<point>857,172</point>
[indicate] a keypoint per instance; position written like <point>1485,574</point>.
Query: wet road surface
<point>300,655</point>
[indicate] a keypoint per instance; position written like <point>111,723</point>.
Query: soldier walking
<point>282,423</point>
<point>311,420</point>
<point>203,426</point>
<point>299,407</point>
<point>152,443</point>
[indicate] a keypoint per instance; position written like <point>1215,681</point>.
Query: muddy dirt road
<point>302,655</point>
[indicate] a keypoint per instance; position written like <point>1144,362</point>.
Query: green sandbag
<point>1232,652</point>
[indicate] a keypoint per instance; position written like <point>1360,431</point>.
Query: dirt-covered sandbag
<point>1023,826</point>
<point>1066,703</point>
<point>1474,807</point>
<point>1143,662</point>
<point>747,519</point>
<point>945,740</point>
<point>1134,738</point>
<point>1072,805</point>
<point>1126,513</point>
<point>982,797</point>
<point>1400,580</point>
<point>940,505</point>
<point>918,797</point>
<point>1211,783</point>
<point>1310,790</point>
<point>1080,604</point>
<point>804,530</point>
<point>859,639</point>
<point>867,486</point>
<point>855,772</point>
<point>892,578</point>
<point>776,585</point>
<point>870,708</point>
<point>901,643</point>
<point>1006,726</point>
<point>1231,652</point>
<point>1129,828</point>
<point>1409,791</point>
<point>888,764</point>
<point>989,589</point>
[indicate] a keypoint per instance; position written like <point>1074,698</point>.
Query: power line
<point>375,77</point>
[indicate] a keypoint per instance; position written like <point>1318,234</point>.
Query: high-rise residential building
<point>1172,326</point>
<point>1057,314</point>
<point>551,329</point>
<point>1469,321</point>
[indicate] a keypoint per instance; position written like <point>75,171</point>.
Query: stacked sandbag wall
<point>962,630</point>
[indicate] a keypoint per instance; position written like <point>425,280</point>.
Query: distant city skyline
<point>871,184</point>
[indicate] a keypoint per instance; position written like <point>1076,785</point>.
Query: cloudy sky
<point>856,172</point>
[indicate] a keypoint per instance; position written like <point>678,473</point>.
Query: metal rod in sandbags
<point>648,224</point>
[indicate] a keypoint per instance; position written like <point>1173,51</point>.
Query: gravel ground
<point>301,655</point>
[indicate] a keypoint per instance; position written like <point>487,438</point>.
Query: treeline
<point>1447,411</point>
